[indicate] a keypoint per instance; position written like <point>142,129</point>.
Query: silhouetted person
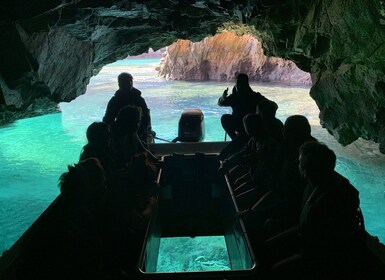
<point>332,232</point>
<point>66,242</point>
<point>125,140</point>
<point>257,134</point>
<point>129,95</point>
<point>296,131</point>
<point>267,109</point>
<point>99,145</point>
<point>83,193</point>
<point>243,100</point>
<point>138,171</point>
<point>290,184</point>
<point>332,239</point>
<point>253,167</point>
<point>132,196</point>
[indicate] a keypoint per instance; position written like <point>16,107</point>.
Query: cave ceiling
<point>49,49</point>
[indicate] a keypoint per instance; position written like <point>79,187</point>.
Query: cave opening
<point>328,46</point>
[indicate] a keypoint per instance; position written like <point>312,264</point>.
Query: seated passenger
<point>83,193</point>
<point>332,237</point>
<point>251,171</point>
<point>243,101</point>
<point>125,139</point>
<point>99,145</point>
<point>290,184</point>
<point>253,127</point>
<point>267,109</point>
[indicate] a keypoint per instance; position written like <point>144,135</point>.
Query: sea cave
<point>51,50</point>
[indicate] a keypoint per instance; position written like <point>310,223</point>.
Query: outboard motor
<point>191,126</point>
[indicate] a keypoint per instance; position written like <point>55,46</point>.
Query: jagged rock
<point>50,49</point>
<point>222,57</point>
<point>149,54</point>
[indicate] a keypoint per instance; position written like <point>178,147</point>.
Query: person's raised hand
<point>225,92</point>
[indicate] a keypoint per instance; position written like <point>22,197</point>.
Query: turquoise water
<point>201,253</point>
<point>34,152</point>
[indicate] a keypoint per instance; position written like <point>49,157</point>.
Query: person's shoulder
<point>118,93</point>
<point>254,92</point>
<point>343,181</point>
<point>277,122</point>
<point>112,100</point>
<point>136,92</point>
<point>257,95</point>
<point>344,188</point>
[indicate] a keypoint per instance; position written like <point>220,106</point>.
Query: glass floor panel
<point>201,253</point>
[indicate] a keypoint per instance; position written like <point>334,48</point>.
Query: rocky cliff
<point>222,57</point>
<point>49,49</point>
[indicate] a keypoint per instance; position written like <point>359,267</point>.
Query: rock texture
<point>49,49</point>
<point>222,57</point>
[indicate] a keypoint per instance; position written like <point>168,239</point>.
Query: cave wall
<point>341,43</point>
<point>50,49</point>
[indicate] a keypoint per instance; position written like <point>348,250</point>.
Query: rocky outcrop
<point>50,49</point>
<point>149,54</point>
<point>222,57</point>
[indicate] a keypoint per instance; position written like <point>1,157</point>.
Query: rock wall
<point>344,41</point>
<point>222,57</point>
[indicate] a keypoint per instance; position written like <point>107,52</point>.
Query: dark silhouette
<point>243,100</point>
<point>281,207</point>
<point>332,235</point>
<point>267,109</point>
<point>99,145</point>
<point>296,132</point>
<point>290,184</point>
<point>125,140</point>
<point>83,193</point>
<point>256,132</point>
<point>136,178</point>
<point>129,95</point>
<point>68,241</point>
<point>251,171</point>
<point>330,222</point>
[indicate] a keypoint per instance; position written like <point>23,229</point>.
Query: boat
<point>195,201</point>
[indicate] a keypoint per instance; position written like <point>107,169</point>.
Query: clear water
<point>34,152</point>
<point>201,253</point>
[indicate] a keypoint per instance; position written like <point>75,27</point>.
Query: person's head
<point>125,81</point>
<point>128,119</point>
<point>316,161</point>
<point>267,108</point>
<point>83,182</point>
<point>255,126</point>
<point>99,134</point>
<point>296,130</point>
<point>242,81</point>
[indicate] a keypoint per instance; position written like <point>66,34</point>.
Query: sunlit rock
<point>222,57</point>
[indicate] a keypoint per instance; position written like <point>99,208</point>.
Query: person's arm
<point>111,111</point>
<point>224,99</point>
<point>145,123</point>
